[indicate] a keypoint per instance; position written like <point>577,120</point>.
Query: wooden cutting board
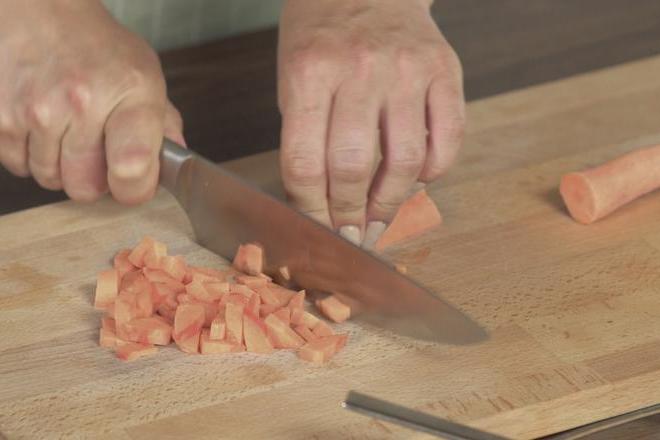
<point>573,311</point>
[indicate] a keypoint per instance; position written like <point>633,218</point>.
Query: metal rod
<point>412,419</point>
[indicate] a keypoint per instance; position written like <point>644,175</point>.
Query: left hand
<point>353,75</point>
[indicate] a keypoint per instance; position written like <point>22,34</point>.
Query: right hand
<point>83,102</point>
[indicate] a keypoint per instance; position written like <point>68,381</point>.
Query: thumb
<point>133,136</point>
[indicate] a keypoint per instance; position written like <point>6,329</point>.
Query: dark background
<point>226,89</point>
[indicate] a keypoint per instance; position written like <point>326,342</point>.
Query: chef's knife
<point>225,211</point>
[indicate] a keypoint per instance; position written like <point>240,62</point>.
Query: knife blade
<point>226,211</point>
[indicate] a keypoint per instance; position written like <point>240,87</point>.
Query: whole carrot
<point>592,194</point>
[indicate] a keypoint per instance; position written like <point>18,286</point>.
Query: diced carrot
<point>401,268</point>
<point>234,322</point>
<point>210,312</point>
<point>416,216</point>
<point>212,275</point>
<point>340,340</point>
<point>134,282</point>
<point>594,193</point>
<point>198,291</point>
<point>136,257</point>
<point>236,298</point>
<point>218,328</point>
<point>125,309</point>
<point>242,289</point>
<point>306,333</point>
<point>110,310</point>
<point>268,296</point>
<point>184,298</point>
<point>108,338</point>
<point>332,308</point>
<point>108,324</point>
<point>159,276</point>
<point>209,345</point>
<point>154,253</point>
<point>284,273</point>
<point>300,316</point>
<point>282,294</point>
<point>318,351</point>
<point>122,264</point>
<point>107,288</point>
<point>190,344</point>
<point>249,259</point>
<point>297,301</point>
<point>254,304</point>
<point>174,266</point>
<point>284,314</point>
<point>188,320</point>
<point>251,281</point>
<point>163,293</point>
<point>254,333</point>
<point>322,329</point>
<point>217,289</point>
<point>132,351</point>
<point>280,333</point>
<point>144,304</point>
<point>267,309</point>
<point>152,330</point>
<point>167,312</point>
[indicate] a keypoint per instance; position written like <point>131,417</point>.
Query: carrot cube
<point>251,281</point>
<point>132,351</point>
<point>190,344</point>
<point>234,323</point>
<point>174,267</point>
<point>152,330</point>
<point>284,314</point>
<point>322,329</point>
<point>122,264</point>
<point>333,309</point>
<point>188,321</point>
<point>256,338</point>
<point>300,316</point>
<point>249,259</point>
<point>306,333</point>
<point>297,301</point>
<point>267,309</point>
<point>318,351</point>
<point>160,276</point>
<point>281,334</point>
<point>208,345</point>
<point>107,288</point>
<point>218,328</point>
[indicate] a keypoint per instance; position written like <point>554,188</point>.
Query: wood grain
<point>572,310</point>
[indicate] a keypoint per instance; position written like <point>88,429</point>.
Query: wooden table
<point>572,311</point>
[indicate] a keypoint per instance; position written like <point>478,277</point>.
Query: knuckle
<point>350,164</point>
<point>43,170</point>
<point>309,63</point>
<point>345,205</point>
<point>79,95</point>
<point>38,113</point>
<point>407,158</point>
<point>302,169</point>
<point>15,160</point>
<point>387,207</point>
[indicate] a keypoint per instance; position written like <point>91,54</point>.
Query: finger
<point>404,151</point>
<point>303,151</point>
<point>13,144</point>
<point>47,120</point>
<point>173,125</point>
<point>446,122</point>
<point>133,137</point>
<point>352,143</point>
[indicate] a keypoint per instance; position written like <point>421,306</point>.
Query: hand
<point>354,74</point>
<point>83,103</point>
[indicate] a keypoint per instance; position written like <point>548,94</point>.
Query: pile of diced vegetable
<point>151,298</point>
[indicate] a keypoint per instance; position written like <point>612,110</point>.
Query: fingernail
<point>374,230</point>
<point>350,233</point>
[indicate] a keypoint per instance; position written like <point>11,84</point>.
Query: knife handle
<point>172,158</point>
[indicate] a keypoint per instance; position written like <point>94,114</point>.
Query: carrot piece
<point>132,351</point>
<point>161,293</point>
<point>267,309</point>
<point>154,253</point>
<point>218,328</point>
<point>416,216</point>
<point>174,266</point>
<point>284,314</point>
<point>318,351</point>
<point>144,304</point>
<point>255,335</point>
<point>251,281</point>
<point>190,344</point>
<point>134,282</point>
<point>217,290</point>
<point>108,339</point>
<point>282,294</point>
<point>594,193</point>
<point>249,259</point>
<point>210,312</point>
<point>333,309</point>
<point>234,322</point>
<point>300,316</point>
<point>210,275</point>
<point>152,330</point>
<point>268,296</point>
<point>147,246</point>
<point>284,273</point>
<point>306,333</point>
<point>280,333</point>
<point>242,289</point>
<point>122,264</point>
<point>159,276</point>
<point>107,288</point>
<point>236,298</point>
<point>401,268</point>
<point>198,291</point>
<point>254,304</point>
<point>108,324</point>
<point>167,312</point>
<point>188,321</point>
<point>208,345</point>
<point>297,301</point>
<point>322,329</point>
